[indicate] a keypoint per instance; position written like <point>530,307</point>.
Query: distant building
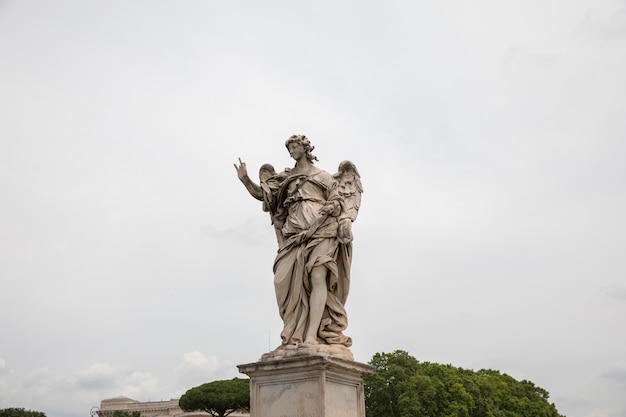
<point>151,408</point>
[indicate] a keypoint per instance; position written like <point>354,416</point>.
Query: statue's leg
<point>317,302</point>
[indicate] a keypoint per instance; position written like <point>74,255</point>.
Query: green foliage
<point>126,414</point>
<point>218,398</point>
<point>20,412</point>
<point>401,386</point>
<point>383,388</point>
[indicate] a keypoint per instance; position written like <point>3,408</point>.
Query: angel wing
<point>350,188</point>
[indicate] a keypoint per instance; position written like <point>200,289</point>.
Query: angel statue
<point>312,213</point>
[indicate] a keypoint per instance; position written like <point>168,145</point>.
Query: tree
<point>20,412</point>
<point>401,386</point>
<point>384,386</point>
<point>218,398</point>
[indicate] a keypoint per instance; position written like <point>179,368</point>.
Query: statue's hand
<point>344,234</point>
<point>327,208</point>
<point>332,208</point>
<point>242,171</point>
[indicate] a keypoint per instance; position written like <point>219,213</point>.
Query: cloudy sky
<point>490,137</point>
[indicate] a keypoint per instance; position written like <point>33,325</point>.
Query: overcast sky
<point>490,137</point>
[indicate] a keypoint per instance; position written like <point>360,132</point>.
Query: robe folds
<point>309,239</point>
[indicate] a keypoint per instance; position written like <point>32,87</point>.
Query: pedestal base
<point>306,386</point>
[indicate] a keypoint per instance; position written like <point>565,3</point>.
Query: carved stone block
<point>307,386</point>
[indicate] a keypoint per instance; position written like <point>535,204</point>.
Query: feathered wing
<point>350,187</point>
<point>350,190</point>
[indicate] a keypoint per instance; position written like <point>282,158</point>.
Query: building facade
<point>151,408</point>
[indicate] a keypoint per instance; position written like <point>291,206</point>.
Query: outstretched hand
<point>242,171</point>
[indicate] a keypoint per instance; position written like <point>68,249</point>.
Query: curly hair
<point>306,144</point>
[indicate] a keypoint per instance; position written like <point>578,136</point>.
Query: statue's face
<point>296,150</point>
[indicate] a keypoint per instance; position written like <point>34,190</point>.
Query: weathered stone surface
<point>306,386</point>
<point>304,349</point>
<point>312,212</point>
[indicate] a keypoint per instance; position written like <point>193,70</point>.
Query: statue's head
<point>306,144</point>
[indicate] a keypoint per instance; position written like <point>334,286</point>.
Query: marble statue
<point>312,212</point>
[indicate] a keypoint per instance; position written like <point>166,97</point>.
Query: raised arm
<point>253,188</point>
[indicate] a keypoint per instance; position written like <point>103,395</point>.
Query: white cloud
<point>196,360</point>
<point>98,375</point>
<point>66,394</point>
<point>197,368</point>
<point>139,385</point>
<point>610,23</point>
<point>3,367</point>
<point>117,380</point>
<point>615,290</point>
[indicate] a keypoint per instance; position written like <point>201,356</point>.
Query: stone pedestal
<point>306,386</point>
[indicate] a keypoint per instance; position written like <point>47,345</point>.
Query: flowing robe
<point>309,239</point>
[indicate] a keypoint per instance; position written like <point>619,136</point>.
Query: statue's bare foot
<point>311,341</point>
